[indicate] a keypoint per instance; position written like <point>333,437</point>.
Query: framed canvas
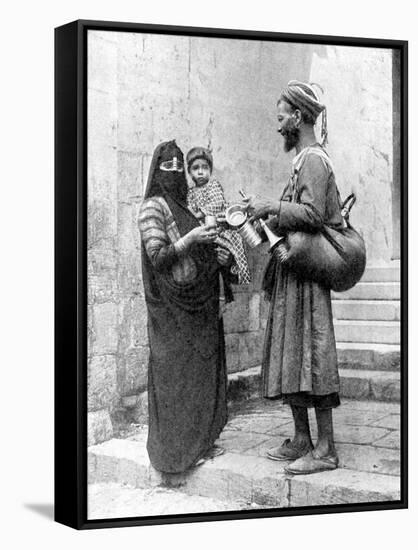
<point>200,374</point>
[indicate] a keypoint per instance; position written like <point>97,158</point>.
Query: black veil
<point>171,185</point>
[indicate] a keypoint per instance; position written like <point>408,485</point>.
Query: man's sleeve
<point>308,213</point>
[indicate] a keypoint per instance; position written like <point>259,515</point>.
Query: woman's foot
<point>212,453</point>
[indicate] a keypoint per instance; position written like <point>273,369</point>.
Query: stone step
<point>382,274</point>
<point>370,310</point>
<point>115,500</point>
<point>354,383</point>
<point>379,332</point>
<point>369,356</point>
<point>370,384</point>
<point>236,477</point>
<point>371,291</point>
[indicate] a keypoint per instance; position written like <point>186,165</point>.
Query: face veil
<point>167,179</point>
<point>171,181</point>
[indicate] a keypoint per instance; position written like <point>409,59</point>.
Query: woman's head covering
<point>199,153</point>
<point>303,96</point>
<point>165,182</point>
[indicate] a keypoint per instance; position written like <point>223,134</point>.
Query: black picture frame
<point>71,271</point>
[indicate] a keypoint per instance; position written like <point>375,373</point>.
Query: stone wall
<point>144,89</point>
<point>358,84</point>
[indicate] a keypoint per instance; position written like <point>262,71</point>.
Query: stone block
<point>232,352</point>
<point>251,349</point>
<point>104,329</point>
<point>377,310</point>
<point>254,312</point>
<point>367,458</point>
<point>354,387</point>
<point>138,412</point>
<point>210,479</point>
<point>129,176</point>
<point>102,63</point>
<point>380,332</point>
<point>103,117</point>
<point>129,401</point>
<point>389,359</point>
<point>357,355</point>
<point>386,386</point>
<point>146,165</point>
<point>128,231</point>
<point>101,274</point>
<point>101,382</point>
<point>342,487</point>
<point>269,486</point>
<point>134,124</point>
<point>237,315</point>
<point>102,224</point>
<point>244,384</point>
<point>123,461</point>
<point>371,291</point>
<point>382,274</point>
<point>132,324</point>
<point>99,427</point>
<point>132,371</point>
<point>129,275</point>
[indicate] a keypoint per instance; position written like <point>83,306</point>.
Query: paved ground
<point>368,440</point>
<point>367,433</point>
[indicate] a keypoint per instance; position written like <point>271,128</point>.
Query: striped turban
<point>302,96</point>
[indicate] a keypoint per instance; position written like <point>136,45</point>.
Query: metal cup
<point>250,235</point>
<point>210,221</point>
<point>236,215</point>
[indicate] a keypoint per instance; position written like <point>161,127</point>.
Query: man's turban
<point>302,96</point>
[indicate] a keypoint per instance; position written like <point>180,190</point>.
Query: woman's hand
<point>261,207</point>
<point>202,235</point>
<point>223,256</point>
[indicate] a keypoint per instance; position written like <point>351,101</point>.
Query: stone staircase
<point>367,329</point>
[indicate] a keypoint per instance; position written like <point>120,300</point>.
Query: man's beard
<point>291,138</point>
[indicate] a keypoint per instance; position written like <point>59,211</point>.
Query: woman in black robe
<point>181,268</point>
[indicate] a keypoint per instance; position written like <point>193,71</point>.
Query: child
<point>207,197</point>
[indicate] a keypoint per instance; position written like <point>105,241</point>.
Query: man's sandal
<point>312,464</point>
<point>288,451</point>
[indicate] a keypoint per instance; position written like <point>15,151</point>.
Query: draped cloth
<point>300,355</point>
<point>187,371</point>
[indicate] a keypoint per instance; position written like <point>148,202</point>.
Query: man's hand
<point>223,256</point>
<point>261,207</point>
